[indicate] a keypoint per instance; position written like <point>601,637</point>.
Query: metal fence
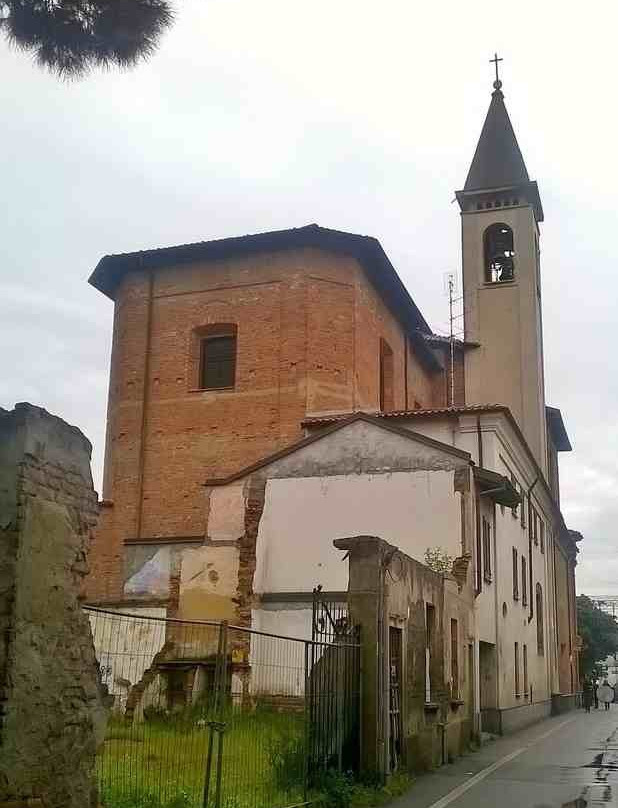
<point>208,714</point>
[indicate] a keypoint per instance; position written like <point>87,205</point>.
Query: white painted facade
<point>404,492</point>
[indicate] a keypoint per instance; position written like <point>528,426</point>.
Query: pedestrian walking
<point>606,694</point>
<point>595,693</point>
<point>588,695</point>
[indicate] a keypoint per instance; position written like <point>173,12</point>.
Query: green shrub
<point>336,789</point>
<point>286,756</point>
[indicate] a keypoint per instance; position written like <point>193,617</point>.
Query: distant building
<point>269,393</point>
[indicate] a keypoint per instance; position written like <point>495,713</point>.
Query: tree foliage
<point>69,37</point>
<point>599,633</point>
<point>438,560</point>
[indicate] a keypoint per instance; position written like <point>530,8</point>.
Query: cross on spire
<point>494,61</point>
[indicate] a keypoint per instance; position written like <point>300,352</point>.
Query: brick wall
<point>309,328</point>
<point>51,705</point>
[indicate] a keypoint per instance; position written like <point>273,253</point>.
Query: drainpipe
<point>530,575</point>
<point>382,678</point>
<point>479,571</point>
<point>556,617</point>
<point>479,440</point>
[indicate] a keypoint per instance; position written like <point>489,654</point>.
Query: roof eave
<point>366,249</point>
<point>497,487</point>
<point>529,190</point>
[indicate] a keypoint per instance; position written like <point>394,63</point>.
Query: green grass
<point>161,763</point>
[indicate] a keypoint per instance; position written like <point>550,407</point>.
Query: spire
<point>497,161</point>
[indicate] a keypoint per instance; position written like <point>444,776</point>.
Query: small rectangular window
<point>525,657</point>
<point>542,534</point>
<point>486,550</point>
<point>454,660</point>
<point>517,691</point>
<point>522,511</point>
<point>524,582</point>
<point>515,575</point>
<point>218,362</point>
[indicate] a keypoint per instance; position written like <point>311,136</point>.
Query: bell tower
<point>500,215</point>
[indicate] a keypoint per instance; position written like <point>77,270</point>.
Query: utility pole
<point>451,320</point>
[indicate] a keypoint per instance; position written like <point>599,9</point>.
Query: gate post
<point>366,607</point>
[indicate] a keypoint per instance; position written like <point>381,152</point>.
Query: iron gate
<point>208,714</point>
<point>333,687</point>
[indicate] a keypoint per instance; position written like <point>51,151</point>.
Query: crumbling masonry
<point>52,713</point>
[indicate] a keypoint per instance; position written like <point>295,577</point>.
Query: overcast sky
<point>361,116</point>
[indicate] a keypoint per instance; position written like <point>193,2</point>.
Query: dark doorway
<point>394,658</point>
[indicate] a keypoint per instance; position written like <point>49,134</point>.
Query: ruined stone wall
<point>51,704</point>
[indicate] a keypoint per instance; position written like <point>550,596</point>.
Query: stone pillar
<point>52,713</point>
<point>366,605</point>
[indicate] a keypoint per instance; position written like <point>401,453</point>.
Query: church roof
<point>557,430</point>
<point>497,161</point>
<point>367,250</point>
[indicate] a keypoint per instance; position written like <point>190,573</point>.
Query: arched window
<point>499,254</point>
<point>540,644</point>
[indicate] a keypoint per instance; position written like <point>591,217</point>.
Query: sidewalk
<point>553,763</point>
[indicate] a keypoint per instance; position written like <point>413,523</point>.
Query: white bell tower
<point>500,215</point>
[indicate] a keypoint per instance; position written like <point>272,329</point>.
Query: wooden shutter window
<point>218,362</point>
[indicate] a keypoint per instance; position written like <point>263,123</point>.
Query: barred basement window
<point>218,362</point>
<point>525,650</point>
<point>517,691</point>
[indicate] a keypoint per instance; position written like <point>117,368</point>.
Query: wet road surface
<point>570,761</point>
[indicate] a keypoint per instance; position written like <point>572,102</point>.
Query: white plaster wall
<point>447,430</point>
<point>277,663</point>
<point>302,516</point>
<point>291,622</point>
<point>125,648</point>
<point>514,627</point>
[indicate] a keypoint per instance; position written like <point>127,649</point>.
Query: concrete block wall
<point>52,707</point>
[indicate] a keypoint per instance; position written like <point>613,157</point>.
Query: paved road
<point>570,761</point>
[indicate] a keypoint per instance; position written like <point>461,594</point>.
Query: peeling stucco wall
<point>52,705</point>
<point>389,591</point>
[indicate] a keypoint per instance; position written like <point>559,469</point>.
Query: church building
<point>270,393</point>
